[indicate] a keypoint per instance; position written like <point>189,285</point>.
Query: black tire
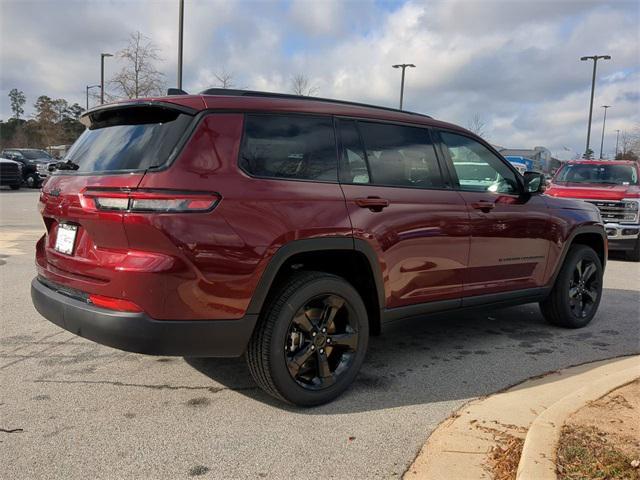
<point>634,255</point>
<point>574,299</point>
<point>15,187</point>
<point>272,348</point>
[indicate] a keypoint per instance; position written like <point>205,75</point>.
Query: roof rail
<point>253,93</point>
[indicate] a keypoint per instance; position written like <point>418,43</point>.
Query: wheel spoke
<point>588,272</point>
<point>324,371</point>
<point>579,269</point>
<point>294,363</point>
<point>345,339</point>
<point>332,305</point>
<point>573,291</point>
<point>304,322</point>
<point>592,293</point>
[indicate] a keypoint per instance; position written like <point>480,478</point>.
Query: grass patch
<point>588,453</point>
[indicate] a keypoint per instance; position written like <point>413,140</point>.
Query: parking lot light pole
<point>102,55</point>
<point>89,87</point>
<point>180,36</point>
<point>403,66</point>
<point>604,122</point>
<point>595,59</point>
<point>617,138</point>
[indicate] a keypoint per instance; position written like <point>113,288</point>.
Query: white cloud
<point>515,63</point>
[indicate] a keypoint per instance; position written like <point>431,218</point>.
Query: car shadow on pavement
<point>461,355</point>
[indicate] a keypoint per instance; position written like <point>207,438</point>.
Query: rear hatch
<point>83,204</point>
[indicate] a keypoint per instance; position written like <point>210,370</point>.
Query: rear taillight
<point>148,201</point>
<point>111,303</point>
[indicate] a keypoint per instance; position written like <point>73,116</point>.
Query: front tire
<point>310,341</point>
<point>576,294</point>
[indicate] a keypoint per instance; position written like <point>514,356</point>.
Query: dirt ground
<point>602,440</point>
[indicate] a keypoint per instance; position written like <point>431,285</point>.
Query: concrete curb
<point>461,445</point>
<point>538,459</point>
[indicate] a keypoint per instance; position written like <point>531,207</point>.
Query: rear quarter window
<point>296,147</point>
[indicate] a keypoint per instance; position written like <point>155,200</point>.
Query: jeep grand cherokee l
<point>289,229</point>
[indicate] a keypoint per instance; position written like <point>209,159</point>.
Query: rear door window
<point>399,155</point>
<point>136,138</point>
<point>297,147</point>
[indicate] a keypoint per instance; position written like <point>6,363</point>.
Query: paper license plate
<point>66,238</point>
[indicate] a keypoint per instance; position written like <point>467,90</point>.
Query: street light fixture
<point>403,66</point>
<point>88,88</point>
<point>617,138</point>
<point>595,59</point>
<point>604,122</point>
<point>102,55</point>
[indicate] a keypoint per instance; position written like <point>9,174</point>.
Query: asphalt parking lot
<point>73,409</point>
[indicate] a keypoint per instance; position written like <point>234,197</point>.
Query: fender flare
<point>286,251</point>
<point>569,242</point>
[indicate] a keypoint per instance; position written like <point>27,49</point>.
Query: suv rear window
<point>128,139</point>
<point>289,146</point>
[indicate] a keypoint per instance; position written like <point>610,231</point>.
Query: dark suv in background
<point>289,229</point>
<point>35,164</point>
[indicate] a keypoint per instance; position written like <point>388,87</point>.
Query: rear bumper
<point>136,332</point>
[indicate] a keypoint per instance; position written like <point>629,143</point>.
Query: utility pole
<point>180,36</point>
<point>617,138</point>
<point>88,88</point>
<point>595,59</point>
<point>102,55</point>
<point>604,122</point>
<point>403,66</point>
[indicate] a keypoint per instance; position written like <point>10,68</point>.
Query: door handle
<point>483,206</point>
<point>375,204</point>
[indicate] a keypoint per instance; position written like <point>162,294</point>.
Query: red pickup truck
<point>613,187</point>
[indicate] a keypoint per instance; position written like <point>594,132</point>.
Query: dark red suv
<point>289,229</point>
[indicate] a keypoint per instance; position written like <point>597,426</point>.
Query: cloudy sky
<point>514,63</point>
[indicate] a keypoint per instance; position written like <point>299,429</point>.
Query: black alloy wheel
<point>576,293</point>
<point>310,340</point>
<point>321,342</point>
<point>584,288</point>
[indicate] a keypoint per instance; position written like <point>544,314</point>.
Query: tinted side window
<point>289,146</point>
<point>400,156</point>
<point>478,168</point>
<point>353,163</point>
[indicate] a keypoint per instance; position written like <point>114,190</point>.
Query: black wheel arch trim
<point>288,250</point>
<point>589,229</point>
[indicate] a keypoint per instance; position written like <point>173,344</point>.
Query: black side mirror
<point>534,182</point>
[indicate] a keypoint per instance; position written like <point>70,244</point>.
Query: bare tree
<point>17,102</point>
<point>139,77</point>
<point>301,85</point>
<point>224,79</point>
<point>477,125</point>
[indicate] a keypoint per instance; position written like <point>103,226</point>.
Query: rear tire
<point>310,341</point>
<point>576,294</point>
<point>634,255</point>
